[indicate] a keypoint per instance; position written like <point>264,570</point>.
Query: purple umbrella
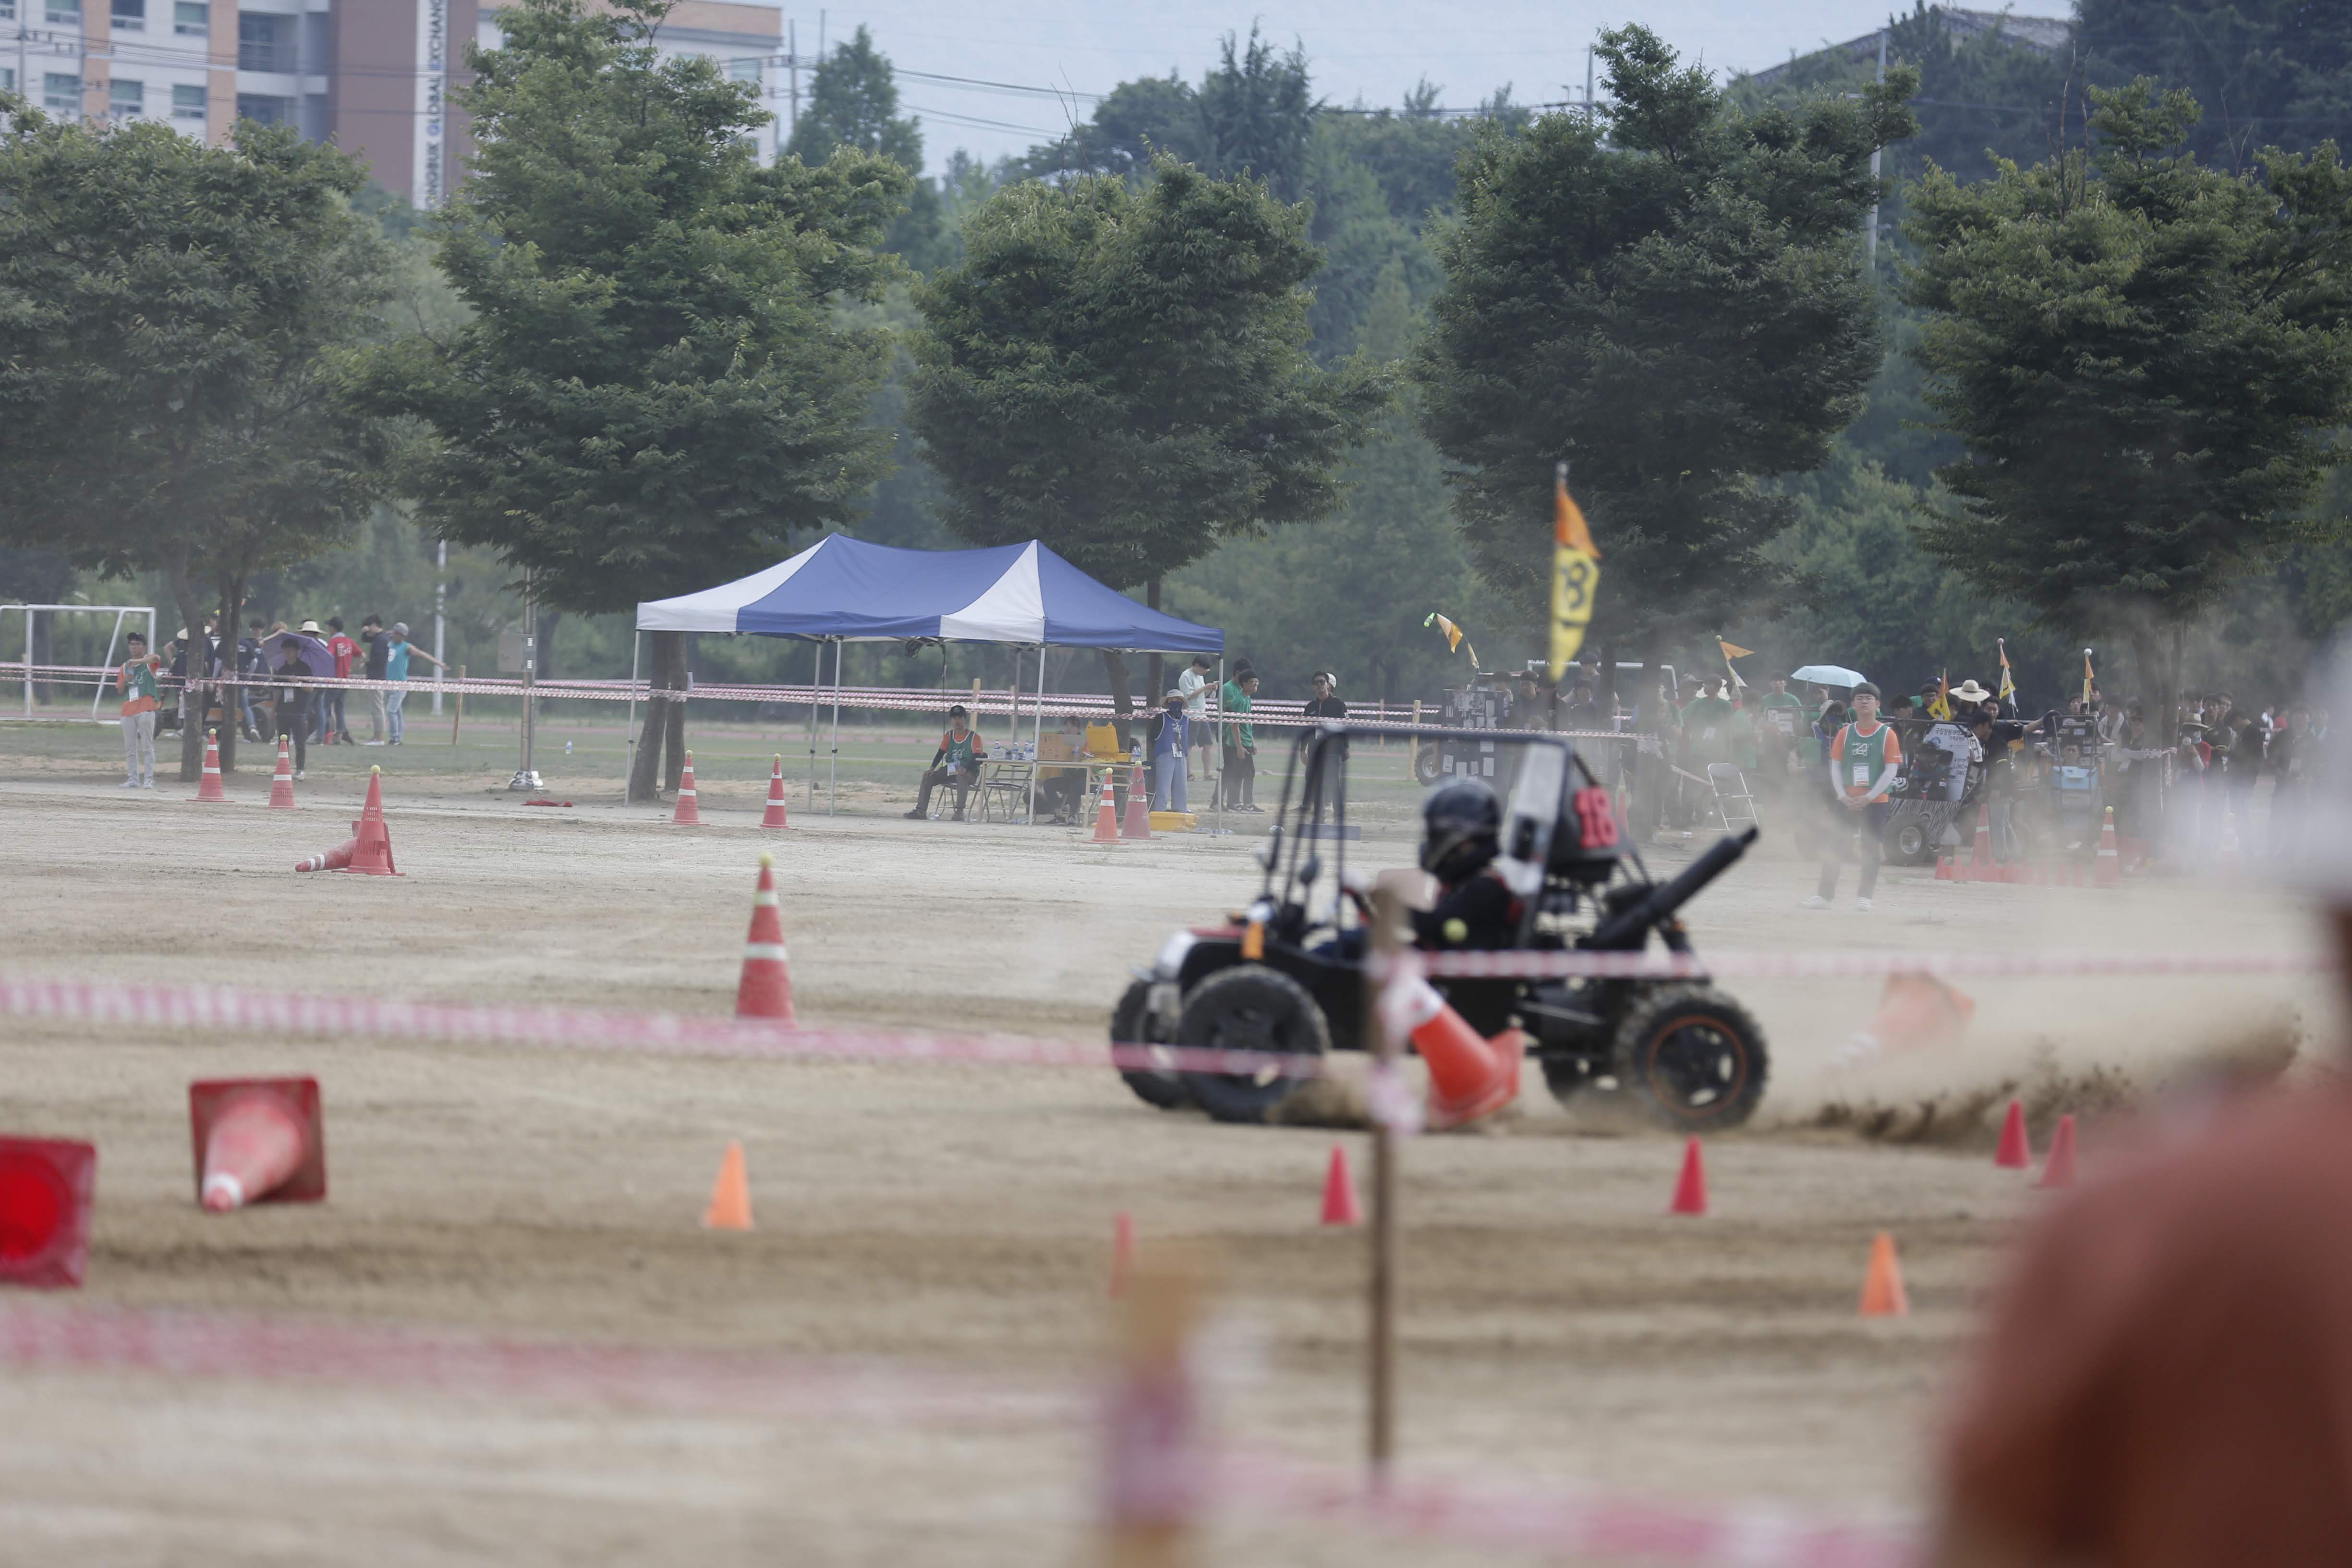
<point>312,653</point>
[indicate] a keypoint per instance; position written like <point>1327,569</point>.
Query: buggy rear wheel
<point>1249,1007</point>
<point>1130,1024</point>
<point>1693,1057</point>
<point>1425,763</point>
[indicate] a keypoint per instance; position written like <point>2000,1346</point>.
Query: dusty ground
<point>1560,1330</point>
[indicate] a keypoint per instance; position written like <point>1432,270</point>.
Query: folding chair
<point>1007,783</point>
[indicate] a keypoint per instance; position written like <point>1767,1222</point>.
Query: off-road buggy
<point>1685,1053</point>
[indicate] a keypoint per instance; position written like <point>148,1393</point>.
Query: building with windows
<point>374,76</point>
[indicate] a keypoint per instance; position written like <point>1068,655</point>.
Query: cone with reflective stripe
<point>256,1141</point>
<point>730,1195</point>
<point>372,848</point>
<point>282,784</point>
<point>1340,1191</point>
<point>1690,1188</point>
<point>687,815</point>
<point>208,788</point>
<point>1138,807</point>
<point>1469,1078</point>
<point>1106,814</point>
<point>774,816</point>
<point>46,1186</point>
<point>1883,1295</point>
<point>2109,871</point>
<point>765,990</point>
<point>336,860</point>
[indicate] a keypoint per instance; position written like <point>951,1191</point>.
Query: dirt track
<point>1558,1328</point>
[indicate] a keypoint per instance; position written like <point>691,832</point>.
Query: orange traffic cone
<point>1981,863</point>
<point>282,784</point>
<point>2016,1151</point>
<point>1138,807</point>
<point>2109,871</point>
<point>1468,1076</point>
<point>208,788</point>
<point>2058,1170</point>
<point>730,1195</point>
<point>1916,1011</point>
<point>256,1141</point>
<point>46,1186</point>
<point>765,990</point>
<point>1122,1250</point>
<point>372,848</point>
<point>336,860</point>
<point>687,815</point>
<point>1883,1295</point>
<point>1340,1191</point>
<point>1107,816</point>
<point>774,816</point>
<point>1690,1189</point>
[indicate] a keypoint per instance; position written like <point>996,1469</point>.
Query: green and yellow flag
<point>2008,692</point>
<point>1575,574</point>
<point>1454,636</point>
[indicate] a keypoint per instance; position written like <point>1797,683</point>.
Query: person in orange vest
<point>1865,757</point>
<point>136,681</point>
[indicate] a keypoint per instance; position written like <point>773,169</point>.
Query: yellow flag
<point>1732,650</point>
<point>2086,676</point>
<point>2008,692</point>
<point>1454,636</point>
<point>1575,574</point>
<point>1940,705</point>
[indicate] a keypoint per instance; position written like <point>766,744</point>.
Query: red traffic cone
<point>774,816</point>
<point>46,1189</point>
<point>2016,1151</point>
<point>1468,1076</point>
<point>1138,807</point>
<point>1980,862</point>
<point>208,788</point>
<point>1916,1011</point>
<point>2058,1170</point>
<point>371,846</point>
<point>765,990</point>
<point>282,784</point>
<point>1690,1188</point>
<point>1106,814</point>
<point>730,1195</point>
<point>1883,1295</point>
<point>257,1141</point>
<point>687,814</point>
<point>2108,870</point>
<point>1340,1191</point>
<point>1122,1250</point>
<point>336,860</point>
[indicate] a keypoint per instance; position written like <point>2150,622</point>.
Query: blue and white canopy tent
<point>842,590</point>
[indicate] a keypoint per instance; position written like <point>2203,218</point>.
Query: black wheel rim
<point>1250,1029</point>
<point>1696,1066</point>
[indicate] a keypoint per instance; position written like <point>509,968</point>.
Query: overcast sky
<point>1372,49</point>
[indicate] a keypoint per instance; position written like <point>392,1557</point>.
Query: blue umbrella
<point>309,649</point>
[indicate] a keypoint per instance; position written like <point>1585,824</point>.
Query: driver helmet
<point>1461,823</point>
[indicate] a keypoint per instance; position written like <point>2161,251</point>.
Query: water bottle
<point>567,747</point>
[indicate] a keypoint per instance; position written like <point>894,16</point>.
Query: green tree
<point>170,317</point>
<point>2147,362</point>
<point>854,104</point>
<point>1672,300</point>
<point>1122,373</point>
<point>656,388</point>
<point>2268,73</point>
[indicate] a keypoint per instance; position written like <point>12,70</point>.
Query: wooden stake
<point>1155,1469</point>
<point>1412,748</point>
<point>1381,1368</point>
<point>458,717</point>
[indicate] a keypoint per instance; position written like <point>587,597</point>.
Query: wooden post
<point>1412,748</point>
<point>1380,1435</point>
<point>458,717</point>
<point>1155,1469</point>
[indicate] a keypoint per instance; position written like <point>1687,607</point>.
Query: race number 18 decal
<point>1596,817</point>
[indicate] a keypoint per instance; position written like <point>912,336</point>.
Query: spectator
<point>1239,788</point>
<point>1194,683</point>
<point>1583,712</point>
<point>1864,756</point>
<point>379,659</point>
<point>253,665</point>
<point>1706,725</point>
<point>2289,763</point>
<point>2002,739</point>
<point>1326,704</point>
<point>956,763</point>
<point>1061,789</point>
<point>294,702</point>
<point>336,725</point>
<point>320,733</point>
<point>1171,744</point>
<point>395,668</point>
<point>136,681</point>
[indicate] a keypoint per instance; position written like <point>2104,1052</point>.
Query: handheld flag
<point>1575,573</point>
<point>1732,650</point>
<point>1454,636</point>
<point>1939,707</point>
<point>2008,692</point>
<point>2087,677</point>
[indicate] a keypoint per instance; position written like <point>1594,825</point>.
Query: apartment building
<point>374,76</point>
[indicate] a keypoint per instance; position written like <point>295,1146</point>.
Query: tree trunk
<point>44,646</point>
<point>669,674</point>
<point>232,610</point>
<point>1122,699</point>
<point>681,669</point>
<point>192,616</point>
<point>1154,675</point>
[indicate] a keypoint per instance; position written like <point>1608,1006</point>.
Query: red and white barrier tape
<point>1857,964</point>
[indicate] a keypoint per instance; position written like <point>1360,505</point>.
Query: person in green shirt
<point>956,763</point>
<point>1239,744</point>
<point>1707,724</point>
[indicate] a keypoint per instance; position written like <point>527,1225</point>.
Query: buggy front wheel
<point>1693,1059</point>
<point>1249,1007</point>
<point>1131,1025</point>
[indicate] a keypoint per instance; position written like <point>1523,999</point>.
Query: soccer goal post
<point>114,641</point>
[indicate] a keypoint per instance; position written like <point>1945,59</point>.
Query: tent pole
<point>816,684</point>
<point>832,764</point>
<point>1217,752</point>
<point>1036,732</point>
<point>629,730</point>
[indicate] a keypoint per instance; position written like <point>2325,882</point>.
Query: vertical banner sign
<point>431,102</point>
<point>1575,576</point>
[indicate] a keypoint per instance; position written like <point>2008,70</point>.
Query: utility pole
<point>1870,239</point>
<point>440,618</point>
<point>793,69</point>
<point>1590,118</point>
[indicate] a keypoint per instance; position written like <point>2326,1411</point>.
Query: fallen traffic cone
<point>46,1186</point>
<point>765,989</point>
<point>1916,1011</point>
<point>1690,1189</point>
<point>730,1195</point>
<point>1980,865</point>
<point>256,1141</point>
<point>281,784</point>
<point>208,788</point>
<point>372,846</point>
<point>2108,870</point>
<point>2058,1170</point>
<point>1122,1251</point>
<point>335,859</point>
<point>1883,1295</point>
<point>1106,814</point>
<point>1468,1076</point>
<point>774,816</point>
<point>687,815</point>
<point>1340,1191</point>
<point>2016,1151</point>
<point>1138,807</point>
